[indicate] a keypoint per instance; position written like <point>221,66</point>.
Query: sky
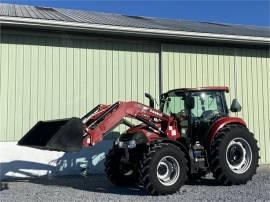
<point>247,12</point>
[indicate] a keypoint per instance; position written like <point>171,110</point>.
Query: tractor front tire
<point>116,171</point>
<point>234,155</point>
<point>163,169</point>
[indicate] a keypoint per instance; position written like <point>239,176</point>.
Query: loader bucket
<point>57,135</point>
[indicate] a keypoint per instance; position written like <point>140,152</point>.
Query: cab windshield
<point>207,102</point>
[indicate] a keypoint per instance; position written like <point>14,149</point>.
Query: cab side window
<point>174,105</point>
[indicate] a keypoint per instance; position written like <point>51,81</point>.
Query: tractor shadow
<point>207,181</point>
<point>92,183</point>
<point>98,183</point>
<point>3,186</point>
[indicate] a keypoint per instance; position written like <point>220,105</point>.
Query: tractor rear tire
<point>115,172</point>
<point>163,169</point>
<point>234,155</point>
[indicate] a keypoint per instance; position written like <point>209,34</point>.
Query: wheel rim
<point>168,170</point>
<point>239,155</point>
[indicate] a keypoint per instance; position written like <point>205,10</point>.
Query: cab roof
<point>209,88</point>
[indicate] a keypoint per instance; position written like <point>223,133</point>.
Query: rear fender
<point>220,123</point>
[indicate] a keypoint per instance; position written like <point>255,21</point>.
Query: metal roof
<point>139,23</point>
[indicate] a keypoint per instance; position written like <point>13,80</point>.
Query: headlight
<point>116,142</point>
<point>128,144</point>
<point>121,144</point>
<point>131,144</point>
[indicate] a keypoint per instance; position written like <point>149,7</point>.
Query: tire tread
<point>216,165</point>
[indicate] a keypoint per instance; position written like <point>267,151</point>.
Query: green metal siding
<point>193,66</point>
<point>48,78</point>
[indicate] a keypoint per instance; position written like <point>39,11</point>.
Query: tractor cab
<point>195,109</point>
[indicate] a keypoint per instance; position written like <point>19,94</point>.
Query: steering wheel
<point>183,113</point>
<point>208,115</point>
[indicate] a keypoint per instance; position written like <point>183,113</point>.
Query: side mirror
<point>189,102</point>
<point>151,100</point>
<point>235,106</point>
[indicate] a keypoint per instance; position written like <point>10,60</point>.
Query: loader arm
<point>74,133</point>
<point>105,119</point>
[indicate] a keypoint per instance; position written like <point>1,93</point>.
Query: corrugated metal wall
<point>47,78</point>
<point>193,66</point>
<point>51,77</point>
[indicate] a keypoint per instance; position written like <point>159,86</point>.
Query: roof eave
<point>75,26</point>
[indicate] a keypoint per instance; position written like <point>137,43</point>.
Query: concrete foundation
<point>19,161</point>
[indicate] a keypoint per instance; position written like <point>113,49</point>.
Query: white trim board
<point>132,30</point>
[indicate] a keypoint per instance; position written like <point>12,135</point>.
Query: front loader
<point>190,135</point>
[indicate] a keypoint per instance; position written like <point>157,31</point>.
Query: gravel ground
<point>98,188</point>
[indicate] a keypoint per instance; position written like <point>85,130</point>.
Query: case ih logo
<point>155,112</point>
<point>152,111</point>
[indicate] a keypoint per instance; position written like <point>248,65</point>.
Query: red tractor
<point>189,136</point>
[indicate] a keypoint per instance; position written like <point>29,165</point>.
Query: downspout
<point>160,70</point>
